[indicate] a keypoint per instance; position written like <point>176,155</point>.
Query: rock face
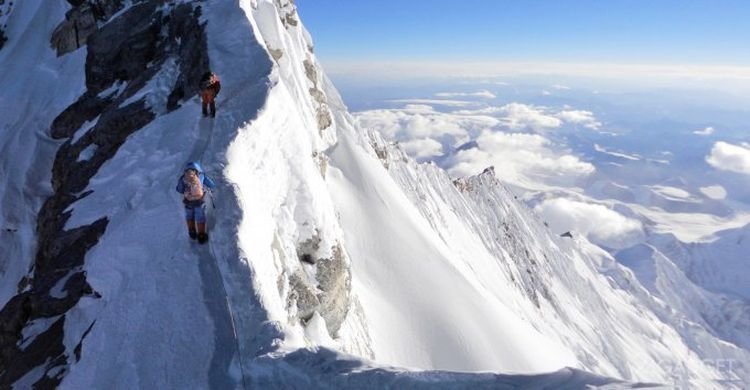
<point>5,9</point>
<point>82,21</point>
<point>123,55</point>
<point>319,97</point>
<point>325,287</point>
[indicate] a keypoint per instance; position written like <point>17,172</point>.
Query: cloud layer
<point>580,117</point>
<point>600,224</point>
<point>484,94</point>
<point>522,159</point>
<point>513,137</point>
<point>707,131</point>
<point>716,192</point>
<point>729,157</point>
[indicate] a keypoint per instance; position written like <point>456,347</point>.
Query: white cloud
<point>525,159</point>
<point>416,121</point>
<point>729,157</point>
<point>437,102</point>
<point>716,192</point>
<point>707,131</point>
<point>417,108</point>
<point>604,150</point>
<point>519,116</point>
<point>522,159</point>
<point>599,223</point>
<point>674,193</point>
<point>423,148</point>
<point>485,94</point>
<point>421,126</point>
<point>580,117</point>
<point>560,87</point>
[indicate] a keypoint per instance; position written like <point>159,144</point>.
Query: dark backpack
<point>207,80</point>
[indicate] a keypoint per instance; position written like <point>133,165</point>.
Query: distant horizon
<point>670,32</point>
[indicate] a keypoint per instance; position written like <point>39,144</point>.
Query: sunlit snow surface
<point>445,277</point>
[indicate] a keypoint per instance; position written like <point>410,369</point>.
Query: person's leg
<point>213,108</point>
<point>204,103</point>
<point>191,229</point>
<point>200,223</point>
<point>190,220</point>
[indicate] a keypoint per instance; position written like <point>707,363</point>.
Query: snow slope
<point>334,260</point>
<point>719,265</point>
<point>27,149</point>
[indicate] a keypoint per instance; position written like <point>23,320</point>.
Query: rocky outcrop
<point>125,52</point>
<point>81,22</point>
<point>323,113</point>
<point>321,284</point>
<point>287,13</point>
<point>5,9</point>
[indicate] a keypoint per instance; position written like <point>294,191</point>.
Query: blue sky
<point>612,31</point>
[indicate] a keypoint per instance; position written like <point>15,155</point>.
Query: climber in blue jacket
<point>193,184</point>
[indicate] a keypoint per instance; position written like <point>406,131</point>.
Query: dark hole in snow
<point>307,258</point>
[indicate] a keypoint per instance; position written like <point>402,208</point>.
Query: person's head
<point>191,174</point>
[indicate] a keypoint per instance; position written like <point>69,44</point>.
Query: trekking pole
<point>213,202</point>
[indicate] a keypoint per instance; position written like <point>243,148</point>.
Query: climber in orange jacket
<point>210,87</point>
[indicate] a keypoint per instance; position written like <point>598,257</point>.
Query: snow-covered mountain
<point>335,260</point>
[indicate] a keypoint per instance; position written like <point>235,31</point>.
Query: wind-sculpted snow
<point>557,275</point>
<point>325,369</point>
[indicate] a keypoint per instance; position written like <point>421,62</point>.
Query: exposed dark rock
<point>290,19</point>
<point>311,72</point>
<point>5,10</point>
<point>192,53</point>
<point>88,107</point>
<point>77,350</point>
<point>329,292</point>
<point>81,22</point>
<point>72,33</point>
<point>130,49</point>
<point>462,184</point>
<point>567,235</point>
<point>123,49</point>
<point>288,13</point>
<point>45,346</point>
<point>334,280</point>
<point>303,296</point>
<point>323,114</point>
<point>309,248</point>
<point>382,152</point>
<point>276,53</point>
<point>322,160</point>
<point>307,258</point>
